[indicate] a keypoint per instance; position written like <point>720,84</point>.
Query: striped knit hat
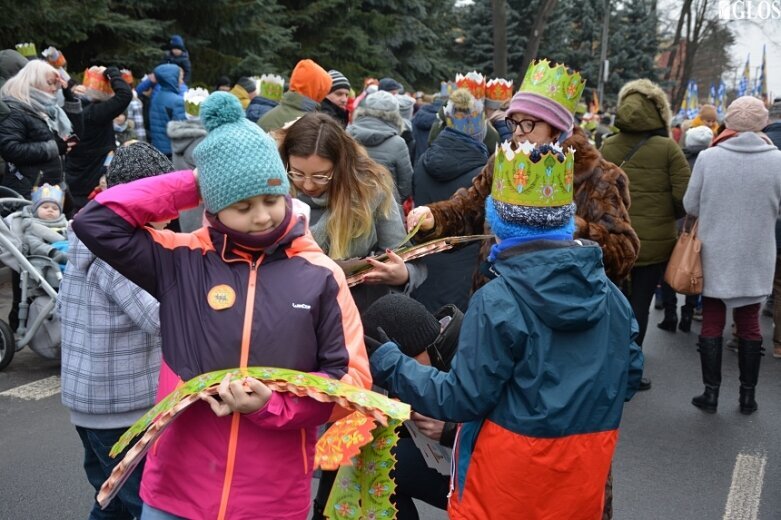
<point>338,80</point>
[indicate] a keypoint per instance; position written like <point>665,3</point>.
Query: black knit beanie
<point>407,322</point>
<point>136,161</point>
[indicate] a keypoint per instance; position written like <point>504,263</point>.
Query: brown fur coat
<point>601,196</point>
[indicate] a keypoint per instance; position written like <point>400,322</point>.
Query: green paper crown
<point>27,50</point>
<point>556,82</point>
<point>193,99</point>
<point>533,176</point>
<point>271,86</point>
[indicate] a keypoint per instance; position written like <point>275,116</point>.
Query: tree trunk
<point>533,44</point>
<point>685,11</point>
<point>499,19</point>
<point>697,27</point>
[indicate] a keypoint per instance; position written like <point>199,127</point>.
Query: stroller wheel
<point>7,345</point>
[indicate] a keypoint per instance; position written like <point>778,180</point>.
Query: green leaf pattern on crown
<point>556,82</point>
<point>271,86</point>
<point>526,177</point>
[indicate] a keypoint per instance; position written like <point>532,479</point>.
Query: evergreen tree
<point>476,52</point>
<point>406,40</point>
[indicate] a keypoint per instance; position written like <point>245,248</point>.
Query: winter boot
<point>687,313</point>
<point>749,358</point>
<point>710,359</point>
<point>670,319</point>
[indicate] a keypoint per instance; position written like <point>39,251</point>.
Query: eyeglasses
<point>318,179</point>
<point>527,125</point>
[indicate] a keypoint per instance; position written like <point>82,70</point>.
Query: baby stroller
<point>39,327</point>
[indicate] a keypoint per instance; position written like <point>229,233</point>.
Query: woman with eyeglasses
<point>36,133</point>
<point>601,188</point>
<point>354,212</point>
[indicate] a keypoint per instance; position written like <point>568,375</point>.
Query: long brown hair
<point>357,183</point>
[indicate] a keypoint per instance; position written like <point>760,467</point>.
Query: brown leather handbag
<point>684,269</point>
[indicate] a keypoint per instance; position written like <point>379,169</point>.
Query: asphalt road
<point>672,462</point>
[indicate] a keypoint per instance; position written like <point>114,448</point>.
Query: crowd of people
<point>199,232</point>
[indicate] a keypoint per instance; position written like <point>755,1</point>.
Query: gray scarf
<point>46,105</point>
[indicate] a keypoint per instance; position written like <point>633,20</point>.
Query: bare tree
<point>499,21</point>
<point>694,25</point>
<point>533,44</point>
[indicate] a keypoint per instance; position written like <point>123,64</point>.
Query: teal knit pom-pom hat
<point>237,160</point>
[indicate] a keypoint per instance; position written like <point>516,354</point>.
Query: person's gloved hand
<point>112,73</point>
<point>67,91</point>
<point>373,339</point>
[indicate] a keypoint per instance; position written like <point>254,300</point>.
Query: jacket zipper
<point>243,363</point>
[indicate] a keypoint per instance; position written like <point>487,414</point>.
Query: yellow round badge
<point>221,297</point>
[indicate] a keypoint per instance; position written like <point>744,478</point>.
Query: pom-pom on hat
<point>134,161</point>
<point>406,322</point>
<point>746,114</point>
<point>47,193</point>
<point>465,113</point>
<point>236,160</point>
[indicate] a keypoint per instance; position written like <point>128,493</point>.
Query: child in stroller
<point>33,245</point>
<point>41,228</point>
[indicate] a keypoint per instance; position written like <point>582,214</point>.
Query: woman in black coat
<point>36,133</point>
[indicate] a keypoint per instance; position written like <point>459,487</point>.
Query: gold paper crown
<point>555,82</point>
<point>271,86</point>
<point>499,89</point>
<point>27,50</point>
<point>193,99</point>
<point>474,82</point>
<point>533,176</point>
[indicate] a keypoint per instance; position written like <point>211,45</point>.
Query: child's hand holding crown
<point>246,395</point>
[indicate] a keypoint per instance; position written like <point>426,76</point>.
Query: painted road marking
<point>746,489</point>
<point>36,390</point>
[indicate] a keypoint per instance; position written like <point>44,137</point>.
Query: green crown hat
<point>555,82</point>
<point>27,50</point>
<point>271,86</point>
<point>193,99</point>
<point>533,176</point>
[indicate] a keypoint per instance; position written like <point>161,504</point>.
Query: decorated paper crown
<point>474,82</point>
<point>271,86</point>
<point>27,50</point>
<point>47,193</point>
<point>127,75</point>
<point>98,87</point>
<point>497,91</point>
<point>55,58</point>
<point>533,176</point>
<point>193,99</point>
<point>555,82</point>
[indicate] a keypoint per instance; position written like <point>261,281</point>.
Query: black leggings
<point>642,285</point>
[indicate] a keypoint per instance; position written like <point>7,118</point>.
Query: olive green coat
<point>658,171</point>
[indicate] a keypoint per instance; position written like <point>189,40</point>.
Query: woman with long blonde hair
<point>37,132</point>
<point>354,213</point>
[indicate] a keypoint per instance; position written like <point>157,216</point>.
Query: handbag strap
<point>634,150</point>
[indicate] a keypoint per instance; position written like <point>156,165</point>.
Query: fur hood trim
<point>653,92</point>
